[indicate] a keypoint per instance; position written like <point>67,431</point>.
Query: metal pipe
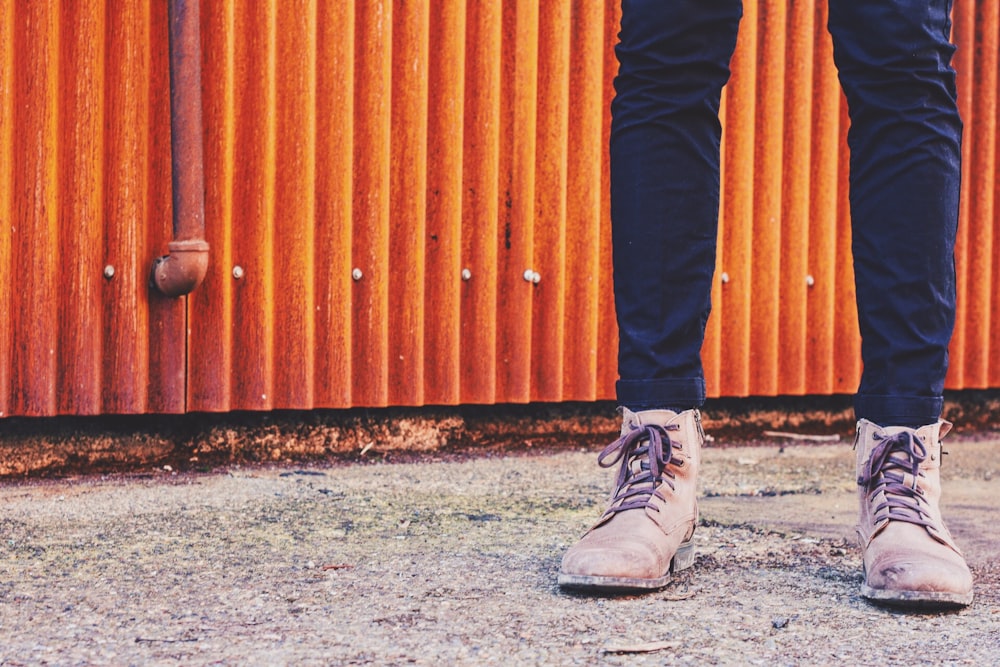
<point>185,267</point>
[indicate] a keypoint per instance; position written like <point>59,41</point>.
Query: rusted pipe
<point>184,268</point>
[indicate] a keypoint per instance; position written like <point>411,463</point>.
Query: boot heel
<point>684,558</point>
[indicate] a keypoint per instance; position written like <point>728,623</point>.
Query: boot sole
<point>683,559</point>
<point>926,600</point>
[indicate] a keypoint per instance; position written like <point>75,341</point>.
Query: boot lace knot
<point>892,471</point>
<point>646,454</point>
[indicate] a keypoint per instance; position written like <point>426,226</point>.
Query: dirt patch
<point>455,563</point>
<point>53,447</point>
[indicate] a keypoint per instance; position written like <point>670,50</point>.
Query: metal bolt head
<point>357,274</point>
<point>532,276</point>
<point>238,272</point>
<point>810,281</point>
<point>724,277</point>
<point>466,274</point>
<point>109,272</point>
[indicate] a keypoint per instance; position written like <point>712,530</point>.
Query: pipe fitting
<point>181,271</point>
<point>185,267</point>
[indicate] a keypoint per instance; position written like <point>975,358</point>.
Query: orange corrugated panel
<point>989,89</point>
<point>293,297</point>
<point>35,232</point>
<point>769,267</point>
<point>210,307</point>
<point>980,137</point>
<point>334,201</point>
<point>81,169</point>
<point>447,151</point>
<point>823,188</point>
<point>89,149</point>
<point>518,110</point>
<point>125,358</point>
<point>794,189</point>
<point>443,241</point>
<point>607,330</point>
<point>167,319</point>
<point>583,200</point>
<point>963,31</point>
<point>408,201</point>
<point>736,212</point>
<point>372,153</point>
<point>253,206</point>
<point>478,200</point>
<point>549,237</point>
<point>7,199</point>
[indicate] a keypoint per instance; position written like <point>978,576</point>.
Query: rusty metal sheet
<point>823,194</point>
<point>294,213</point>
<point>607,329</point>
<point>447,275</point>
<point>408,201</point>
<point>582,238</point>
<point>7,224</point>
<point>372,156</point>
<point>407,204</point>
<point>34,236</point>
<point>515,253</point>
<point>736,213</point>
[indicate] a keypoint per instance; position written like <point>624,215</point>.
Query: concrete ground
<point>454,562</point>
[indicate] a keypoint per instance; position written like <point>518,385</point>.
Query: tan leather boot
<point>910,559</point>
<point>645,533</point>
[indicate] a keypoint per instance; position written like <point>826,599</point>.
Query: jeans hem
<point>899,410</point>
<point>683,393</point>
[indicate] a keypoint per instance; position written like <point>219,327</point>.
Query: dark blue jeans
<point>893,59</point>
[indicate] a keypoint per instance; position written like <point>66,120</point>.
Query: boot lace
<point>646,453</point>
<point>895,459</point>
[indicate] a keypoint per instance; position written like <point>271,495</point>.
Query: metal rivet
<point>357,274</point>
<point>724,277</point>
<point>466,274</point>
<point>238,272</point>
<point>532,276</point>
<point>109,272</point>
<point>810,281</point>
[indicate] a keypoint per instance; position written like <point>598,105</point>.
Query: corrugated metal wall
<point>381,179</point>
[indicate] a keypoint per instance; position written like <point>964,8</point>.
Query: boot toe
<point>919,577</point>
<point>622,560</point>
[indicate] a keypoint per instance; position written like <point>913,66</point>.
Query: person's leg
<point>894,59</point>
<point>665,135</point>
<point>674,60</point>
<point>905,140</point>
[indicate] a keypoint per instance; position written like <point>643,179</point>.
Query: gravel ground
<point>454,563</point>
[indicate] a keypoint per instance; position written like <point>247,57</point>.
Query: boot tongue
<point>922,432</point>
<point>642,453</point>
<point>646,418</point>
<point>891,474</point>
<point>898,449</point>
